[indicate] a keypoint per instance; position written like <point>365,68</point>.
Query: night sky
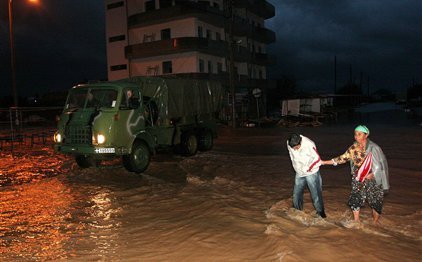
<point>62,42</point>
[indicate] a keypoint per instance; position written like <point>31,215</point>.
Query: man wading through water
<point>306,163</point>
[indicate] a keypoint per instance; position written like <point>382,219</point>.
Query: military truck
<point>134,118</point>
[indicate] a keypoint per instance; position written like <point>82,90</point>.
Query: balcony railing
<point>176,45</point>
<point>189,44</point>
<point>208,14</point>
<point>259,34</point>
<point>242,54</point>
<point>260,7</point>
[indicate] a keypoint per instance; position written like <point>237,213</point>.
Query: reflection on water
<point>33,220</point>
<point>22,167</point>
<point>102,223</point>
<point>51,220</point>
<point>46,216</point>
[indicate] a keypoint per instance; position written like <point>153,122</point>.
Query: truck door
<point>130,121</point>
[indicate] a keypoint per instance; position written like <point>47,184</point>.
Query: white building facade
<point>182,37</point>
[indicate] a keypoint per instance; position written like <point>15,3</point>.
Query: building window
<point>260,74</point>
<point>118,67</point>
<point>209,36</point>
<point>167,67</point>
<point>116,38</point>
<point>153,70</point>
<point>259,49</point>
<point>115,5</point>
<point>165,34</point>
<point>217,36</point>
<point>216,5</point>
<point>149,5</point>
<point>201,66</point>
<point>219,67</point>
<point>165,3</point>
<point>199,31</point>
<point>210,69</point>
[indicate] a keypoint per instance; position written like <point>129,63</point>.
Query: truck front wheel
<point>139,159</point>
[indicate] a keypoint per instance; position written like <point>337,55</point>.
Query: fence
<point>27,125</point>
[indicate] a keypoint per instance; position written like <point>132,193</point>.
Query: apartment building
<point>189,38</point>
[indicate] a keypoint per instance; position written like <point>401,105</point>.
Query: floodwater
<point>232,203</point>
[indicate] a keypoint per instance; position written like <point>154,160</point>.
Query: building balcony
<point>195,44</point>
<point>176,45</point>
<point>264,59</point>
<point>259,34</point>
<point>242,54</point>
<point>259,7</point>
<point>182,10</point>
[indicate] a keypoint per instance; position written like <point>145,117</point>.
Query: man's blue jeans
<point>314,183</point>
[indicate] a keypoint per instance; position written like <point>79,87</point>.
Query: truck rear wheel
<point>189,144</point>
<point>206,140</point>
<point>86,161</point>
<point>139,159</point>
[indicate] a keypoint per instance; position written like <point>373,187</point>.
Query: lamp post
<point>12,56</point>
<point>12,51</point>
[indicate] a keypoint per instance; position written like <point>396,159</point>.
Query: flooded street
<point>232,203</point>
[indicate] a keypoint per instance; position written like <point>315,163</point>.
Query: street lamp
<point>12,52</point>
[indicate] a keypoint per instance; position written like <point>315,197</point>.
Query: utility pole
<point>12,56</point>
<point>368,86</point>
<point>335,74</point>
<point>230,15</point>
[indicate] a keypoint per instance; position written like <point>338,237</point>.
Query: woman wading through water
<point>369,171</point>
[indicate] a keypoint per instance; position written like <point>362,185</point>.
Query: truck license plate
<point>105,150</point>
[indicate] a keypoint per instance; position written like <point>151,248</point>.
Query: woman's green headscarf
<point>362,129</point>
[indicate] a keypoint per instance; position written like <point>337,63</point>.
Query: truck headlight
<point>57,137</point>
<point>100,139</point>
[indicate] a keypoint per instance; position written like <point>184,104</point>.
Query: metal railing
<point>27,126</point>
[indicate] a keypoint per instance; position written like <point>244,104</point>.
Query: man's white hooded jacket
<point>306,160</point>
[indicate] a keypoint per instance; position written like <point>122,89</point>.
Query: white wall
<point>179,28</point>
<point>115,50</point>
<point>181,63</point>
<point>213,29</point>
<point>187,27</point>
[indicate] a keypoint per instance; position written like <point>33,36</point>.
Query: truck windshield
<point>91,98</point>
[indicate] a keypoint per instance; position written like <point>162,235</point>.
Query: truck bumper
<point>90,150</point>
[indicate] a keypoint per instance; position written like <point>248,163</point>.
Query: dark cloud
<point>382,39</point>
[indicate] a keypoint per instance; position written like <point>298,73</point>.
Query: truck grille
<point>78,135</point>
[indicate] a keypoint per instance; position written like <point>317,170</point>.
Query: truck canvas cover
<point>181,97</point>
